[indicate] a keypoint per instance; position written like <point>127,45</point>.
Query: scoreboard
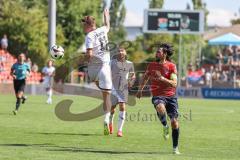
<point>169,21</point>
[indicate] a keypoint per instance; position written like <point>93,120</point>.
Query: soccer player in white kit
<point>48,72</point>
<point>98,58</point>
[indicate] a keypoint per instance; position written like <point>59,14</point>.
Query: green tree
<point>143,47</point>
<point>151,40</point>
<point>235,21</point>
<point>69,15</point>
<point>117,15</point>
<point>26,28</point>
<point>26,24</point>
<point>156,3</point>
<point>200,5</point>
<point>208,52</point>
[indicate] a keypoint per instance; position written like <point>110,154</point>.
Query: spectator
<point>202,71</point>
<point>230,56</point>
<point>29,62</point>
<point>4,42</point>
<point>219,59</point>
<point>238,81</point>
<point>34,67</point>
<point>223,77</point>
<point>1,67</point>
<point>208,78</point>
<point>235,55</point>
<point>238,56</point>
<point>214,73</point>
<point>225,58</point>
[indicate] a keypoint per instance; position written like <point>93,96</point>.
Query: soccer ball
<point>57,52</point>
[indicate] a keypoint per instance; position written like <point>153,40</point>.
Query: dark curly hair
<point>168,49</point>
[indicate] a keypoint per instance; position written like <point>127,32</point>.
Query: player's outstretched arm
<point>106,18</point>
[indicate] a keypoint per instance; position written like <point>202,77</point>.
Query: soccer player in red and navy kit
<point>162,75</point>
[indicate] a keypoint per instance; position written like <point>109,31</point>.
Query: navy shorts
<point>170,103</point>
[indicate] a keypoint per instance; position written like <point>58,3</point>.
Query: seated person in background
<point>235,56</point>
<point>1,67</point>
<point>4,42</point>
<point>34,67</point>
<point>29,62</point>
<point>219,60</point>
<point>230,56</point>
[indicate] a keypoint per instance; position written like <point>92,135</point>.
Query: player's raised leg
<point>97,55</point>
<point>111,119</point>
<point>106,108</point>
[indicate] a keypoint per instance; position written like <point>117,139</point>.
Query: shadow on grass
<point>55,148</point>
<point>68,134</point>
<point>92,150</point>
<point>27,145</point>
<point>6,113</point>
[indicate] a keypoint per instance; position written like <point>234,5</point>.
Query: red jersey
<point>159,88</point>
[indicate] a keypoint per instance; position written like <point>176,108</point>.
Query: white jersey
<point>48,79</point>
<point>98,40</point>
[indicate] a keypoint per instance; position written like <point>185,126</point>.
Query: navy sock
<point>18,103</point>
<point>162,118</point>
<point>175,136</point>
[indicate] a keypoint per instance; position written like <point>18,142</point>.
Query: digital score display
<point>162,21</point>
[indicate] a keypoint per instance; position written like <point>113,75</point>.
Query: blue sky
<point>221,11</point>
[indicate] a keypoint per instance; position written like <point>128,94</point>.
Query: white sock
<point>121,120</point>
<point>49,94</point>
<point>111,118</point>
<point>107,117</point>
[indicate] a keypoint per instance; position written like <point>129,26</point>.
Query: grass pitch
<point>209,130</point>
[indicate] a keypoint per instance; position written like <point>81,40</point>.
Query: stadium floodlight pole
<point>51,23</point>
<point>179,58</point>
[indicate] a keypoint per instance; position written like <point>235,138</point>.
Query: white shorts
<point>48,82</point>
<point>102,74</point>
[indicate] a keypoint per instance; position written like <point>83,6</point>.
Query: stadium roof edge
<point>218,31</point>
